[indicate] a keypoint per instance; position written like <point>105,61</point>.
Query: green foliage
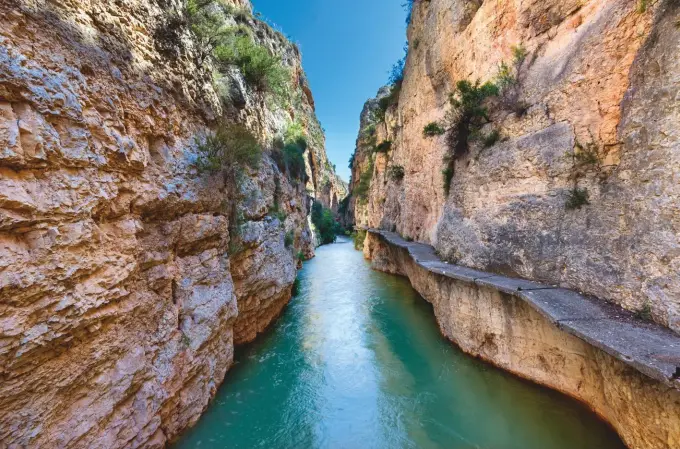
<point>506,77</point>
<point>278,214</point>
<point>351,159</point>
<point>468,112</point>
<point>207,25</point>
<point>433,129</point>
<point>234,46</point>
<point>642,6</point>
<point>359,237</point>
<point>300,256</point>
<point>577,198</point>
<point>447,174</point>
<point>383,147</point>
<point>295,289</point>
<point>409,10</point>
<point>289,239</point>
<point>588,155</point>
<point>325,224</point>
<point>344,205</point>
<point>368,132</point>
<point>519,54</point>
<point>364,185</point>
<point>491,139</point>
<point>262,70</point>
<point>468,98</point>
<point>289,153</point>
<point>396,172</point>
<point>232,147</point>
<point>644,312</point>
<point>293,156</point>
<point>397,72</point>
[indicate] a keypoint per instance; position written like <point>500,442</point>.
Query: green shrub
<point>364,185</point>
<point>505,78</point>
<point>577,198</point>
<point>232,147</point>
<point>468,112</point>
<point>278,214</point>
<point>207,25</point>
<point>644,312</point>
<point>359,237</point>
<point>433,129</point>
<point>262,70</point>
<point>325,224</point>
<point>396,172</point>
<point>519,54</point>
<point>448,177</point>
<point>289,239</point>
<point>344,204</point>
<point>588,154</point>
<point>289,153</point>
<point>295,289</point>
<point>293,156</point>
<point>491,139</point>
<point>234,46</point>
<point>351,160</point>
<point>384,146</point>
<point>300,256</point>
<point>642,6</point>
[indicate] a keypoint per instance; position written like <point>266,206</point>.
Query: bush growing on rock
<point>384,146</point>
<point>447,173</point>
<point>364,185</point>
<point>232,147</point>
<point>234,46</point>
<point>359,237</point>
<point>577,198</point>
<point>396,172</point>
<point>262,70</point>
<point>325,224</point>
<point>468,112</point>
<point>289,239</point>
<point>491,139</point>
<point>433,129</point>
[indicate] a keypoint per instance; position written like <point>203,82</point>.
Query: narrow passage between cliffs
<point>357,361</point>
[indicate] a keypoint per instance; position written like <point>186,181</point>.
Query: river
<point>357,362</point>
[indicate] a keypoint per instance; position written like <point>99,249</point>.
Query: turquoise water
<point>357,362</point>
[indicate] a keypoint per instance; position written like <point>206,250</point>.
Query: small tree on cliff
<point>325,223</point>
<point>231,148</point>
<point>468,112</point>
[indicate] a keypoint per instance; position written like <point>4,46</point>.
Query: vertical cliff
<point>126,273</point>
<point>562,169</point>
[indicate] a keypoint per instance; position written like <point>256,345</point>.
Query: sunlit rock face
<point>598,75</point>
<point>119,292</point>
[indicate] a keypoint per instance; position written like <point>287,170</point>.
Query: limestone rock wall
<point>600,75</point>
<point>121,290</point>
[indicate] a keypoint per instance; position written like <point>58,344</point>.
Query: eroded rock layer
<point>591,104</point>
<point>122,289</point>
<point>474,312</point>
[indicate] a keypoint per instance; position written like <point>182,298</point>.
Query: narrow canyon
<point>165,190</point>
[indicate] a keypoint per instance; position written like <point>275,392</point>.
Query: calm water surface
<point>357,362</point>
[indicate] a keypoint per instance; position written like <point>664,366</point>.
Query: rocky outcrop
<point>593,106</point>
<point>623,368</point>
<point>123,284</point>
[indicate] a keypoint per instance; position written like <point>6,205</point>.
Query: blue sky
<point>348,48</point>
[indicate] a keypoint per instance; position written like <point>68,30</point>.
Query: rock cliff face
<point>123,286</point>
<point>590,109</point>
